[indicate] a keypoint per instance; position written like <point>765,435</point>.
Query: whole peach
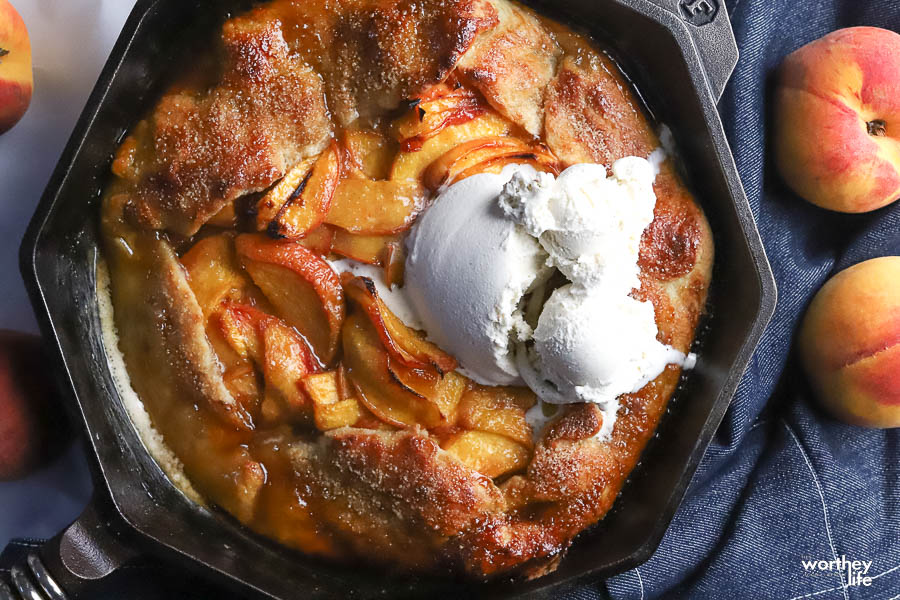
<point>850,344</point>
<point>33,426</point>
<point>16,78</point>
<point>837,120</point>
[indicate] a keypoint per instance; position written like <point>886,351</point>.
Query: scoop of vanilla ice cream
<point>589,224</point>
<point>467,270</point>
<point>488,241</point>
<point>594,346</point>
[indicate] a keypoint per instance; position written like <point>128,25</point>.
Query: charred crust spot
<point>273,230</point>
<point>370,285</point>
<point>581,422</point>
<point>405,387</point>
<point>670,245</point>
<point>298,192</point>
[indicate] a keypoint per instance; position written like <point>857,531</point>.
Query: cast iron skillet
<point>680,52</point>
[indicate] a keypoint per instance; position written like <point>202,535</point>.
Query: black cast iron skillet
<point>680,53</point>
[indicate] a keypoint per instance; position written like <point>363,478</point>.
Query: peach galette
<point>256,230</point>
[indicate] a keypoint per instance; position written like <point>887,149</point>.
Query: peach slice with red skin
<point>303,208</point>
<point>286,362</point>
<point>239,325</point>
<point>280,352</point>
<point>497,165</point>
<point>444,391</point>
<point>410,165</point>
<point>367,207</point>
<point>366,362</point>
<point>469,156</point>
<point>427,118</point>
<point>293,183</point>
<point>369,249</point>
<point>404,344</point>
<point>302,287</point>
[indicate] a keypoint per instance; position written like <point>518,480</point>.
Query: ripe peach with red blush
<point>837,120</point>
<point>850,344</point>
<point>33,427</point>
<point>16,78</point>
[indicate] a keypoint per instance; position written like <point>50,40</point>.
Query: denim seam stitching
<point>640,581</point>
<point>815,477</point>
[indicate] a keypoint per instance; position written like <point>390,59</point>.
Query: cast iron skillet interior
<point>680,63</point>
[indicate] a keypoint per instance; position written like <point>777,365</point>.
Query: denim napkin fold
<point>784,486</point>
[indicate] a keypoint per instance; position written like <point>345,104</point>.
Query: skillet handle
<point>85,552</point>
<point>708,24</point>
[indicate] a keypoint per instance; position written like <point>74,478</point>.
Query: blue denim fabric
<point>782,482</point>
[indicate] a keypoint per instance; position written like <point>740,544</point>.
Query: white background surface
<point>70,41</point>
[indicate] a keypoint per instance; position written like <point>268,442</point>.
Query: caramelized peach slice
<point>291,186</point>
<point>226,218</point>
<point>498,164</point>
<point>490,454</point>
<point>369,249</point>
<point>331,410</point>
<point>404,344</point>
<point>304,290</point>
<point>238,373</point>
<point>242,382</point>
<point>444,391</point>
<point>394,263</point>
<point>280,352</point>
<point>319,240</point>
<point>366,362</point>
<point>467,157</point>
<point>214,273</point>
<point>428,117</point>
<point>222,346</point>
<point>467,154</point>
<point>305,208</point>
<point>376,207</point>
<point>410,165</point>
<point>368,154</point>
<point>239,326</point>
<point>499,410</point>
<point>286,361</point>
